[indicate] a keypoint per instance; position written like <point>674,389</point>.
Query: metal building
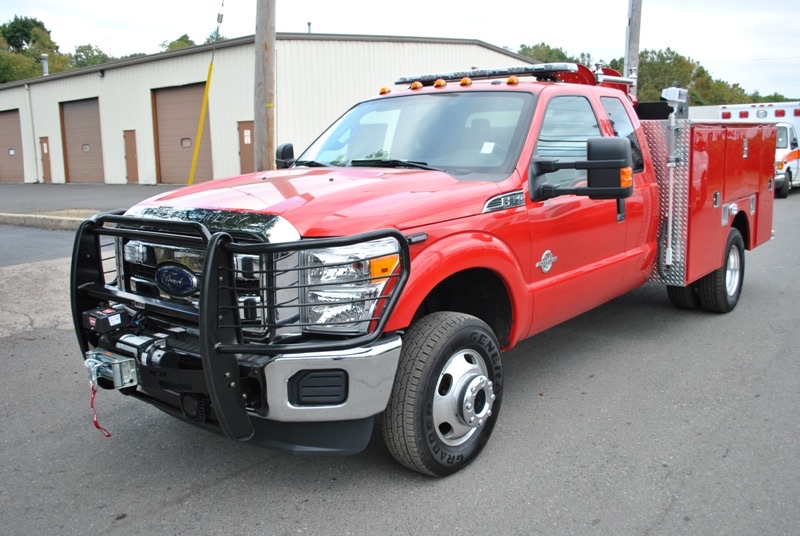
<point>136,120</point>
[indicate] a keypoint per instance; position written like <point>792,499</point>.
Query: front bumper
<point>333,416</point>
<point>369,371</point>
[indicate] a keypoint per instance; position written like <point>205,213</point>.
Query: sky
<point>753,43</point>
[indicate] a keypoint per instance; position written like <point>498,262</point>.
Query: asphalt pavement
<point>64,206</point>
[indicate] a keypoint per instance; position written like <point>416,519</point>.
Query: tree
<point>87,55</point>
<point>181,42</point>
<point>659,69</point>
<point>545,53</point>
<point>22,43</point>
<point>18,32</point>
<point>214,36</point>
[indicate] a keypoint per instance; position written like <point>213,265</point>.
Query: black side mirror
<point>609,171</point>
<point>284,156</point>
<point>793,144</point>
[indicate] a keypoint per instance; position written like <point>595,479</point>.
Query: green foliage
<point>19,32</point>
<point>547,54</point>
<point>22,43</point>
<point>214,36</point>
<point>181,42</point>
<point>15,67</point>
<point>87,55</point>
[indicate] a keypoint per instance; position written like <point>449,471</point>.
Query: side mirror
<point>284,156</point>
<point>793,145</point>
<point>609,171</point>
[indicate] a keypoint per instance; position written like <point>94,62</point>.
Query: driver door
<point>577,243</point>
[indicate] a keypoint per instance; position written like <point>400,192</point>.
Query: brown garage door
<point>83,148</point>
<point>177,112</point>
<point>11,164</point>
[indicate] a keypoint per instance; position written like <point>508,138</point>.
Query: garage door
<point>177,116</point>
<point>11,164</point>
<point>83,149</point>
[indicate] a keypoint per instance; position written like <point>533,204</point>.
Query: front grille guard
<point>222,340</point>
<point>219,310</point>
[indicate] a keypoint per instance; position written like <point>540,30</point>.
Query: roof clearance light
<point>466,81</point>
<point>780,113</point>
<point>726,115</point>
<point>385,91</point>
<point>512,80</point>
<point>416,85</point>
<point>439,83</point>
<point>744,114</point>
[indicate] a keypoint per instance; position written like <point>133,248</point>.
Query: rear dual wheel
<point>719,291</point>
<point>446,395</point>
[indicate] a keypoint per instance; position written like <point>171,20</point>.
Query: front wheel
<point>446,395</point>
<point>783,193</point>
<point>719,291</point>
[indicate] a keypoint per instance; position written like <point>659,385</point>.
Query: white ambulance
<point>787,117</point>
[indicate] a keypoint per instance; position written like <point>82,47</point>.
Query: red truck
<point>378,277</point>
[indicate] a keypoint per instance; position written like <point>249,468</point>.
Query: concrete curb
<point>59,223</point>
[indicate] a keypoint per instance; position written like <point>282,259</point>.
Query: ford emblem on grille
<point>176,280</point>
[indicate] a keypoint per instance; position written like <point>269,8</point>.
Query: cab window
<point>568,122</point>
<point>623,128</point>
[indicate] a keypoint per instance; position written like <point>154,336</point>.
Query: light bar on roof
<point>540,70</point>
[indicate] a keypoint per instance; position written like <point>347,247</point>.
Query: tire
<point>684,297</point>
<point>783,193</point>
<point>446,394</point>
<point>719,291</point>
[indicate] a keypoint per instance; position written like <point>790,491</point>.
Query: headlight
<point>343,287</point>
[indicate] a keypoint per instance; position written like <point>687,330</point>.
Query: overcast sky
<point>755,43</point>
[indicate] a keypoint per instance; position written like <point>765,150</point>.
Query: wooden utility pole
<point>264,103</point>
<point>632,40</point>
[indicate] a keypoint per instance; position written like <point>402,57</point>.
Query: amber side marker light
<point>439,83</point>
<point>382,267</point>
<point>625,177</point>
<point>512,80</point>
<point>466,81</point>
<point>416,85</point>
<point>384,91</point>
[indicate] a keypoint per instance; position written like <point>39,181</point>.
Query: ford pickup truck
<point>377,278</point>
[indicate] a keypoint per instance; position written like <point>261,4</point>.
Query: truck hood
<point>337,202</point>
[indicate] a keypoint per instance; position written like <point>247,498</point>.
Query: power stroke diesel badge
<point>176,280</point>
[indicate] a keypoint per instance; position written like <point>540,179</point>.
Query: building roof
<point>250,39</point>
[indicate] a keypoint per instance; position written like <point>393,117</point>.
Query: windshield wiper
<point>393,163</point>
<point>310,163</point>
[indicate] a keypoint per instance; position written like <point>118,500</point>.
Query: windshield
<point>470,135</point>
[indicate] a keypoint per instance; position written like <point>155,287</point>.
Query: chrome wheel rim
<point>463,398</point>
<point>733,271</point>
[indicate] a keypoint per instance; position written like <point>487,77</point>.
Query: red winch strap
<point>93,391</point>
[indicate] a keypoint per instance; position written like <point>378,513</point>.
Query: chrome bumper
<point>370,371</point>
